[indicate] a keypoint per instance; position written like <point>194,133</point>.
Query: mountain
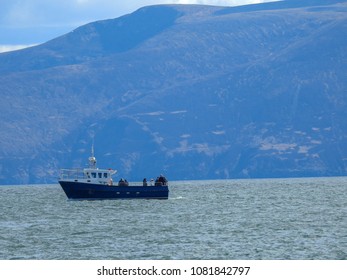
<point>191,91</point>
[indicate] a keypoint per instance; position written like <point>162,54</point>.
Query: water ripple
<point>227,219</point>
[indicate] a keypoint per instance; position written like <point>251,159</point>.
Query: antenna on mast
<point>92,159</point>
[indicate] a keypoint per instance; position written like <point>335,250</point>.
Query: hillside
<point>195,92</point>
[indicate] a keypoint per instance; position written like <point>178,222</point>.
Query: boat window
<point>105,175</point>
<point>100,175</point>
<point>93,174</point>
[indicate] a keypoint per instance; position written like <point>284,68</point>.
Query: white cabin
<point>92,175</point>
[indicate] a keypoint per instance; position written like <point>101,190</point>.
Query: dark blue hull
<point>79,190</point>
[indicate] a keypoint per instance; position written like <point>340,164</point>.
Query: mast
<point>92,159</point>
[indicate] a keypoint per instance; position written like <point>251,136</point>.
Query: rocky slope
<point>194,92</point>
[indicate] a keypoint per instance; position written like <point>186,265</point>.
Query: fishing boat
<point>94,183</point>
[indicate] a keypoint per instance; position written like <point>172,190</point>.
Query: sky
<point>25,23</point>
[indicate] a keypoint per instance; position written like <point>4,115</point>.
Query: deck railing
<point>75,173</point>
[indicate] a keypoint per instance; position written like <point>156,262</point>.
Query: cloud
<point>9,48</point>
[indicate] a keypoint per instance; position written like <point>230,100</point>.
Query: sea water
<point>222,219</point>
